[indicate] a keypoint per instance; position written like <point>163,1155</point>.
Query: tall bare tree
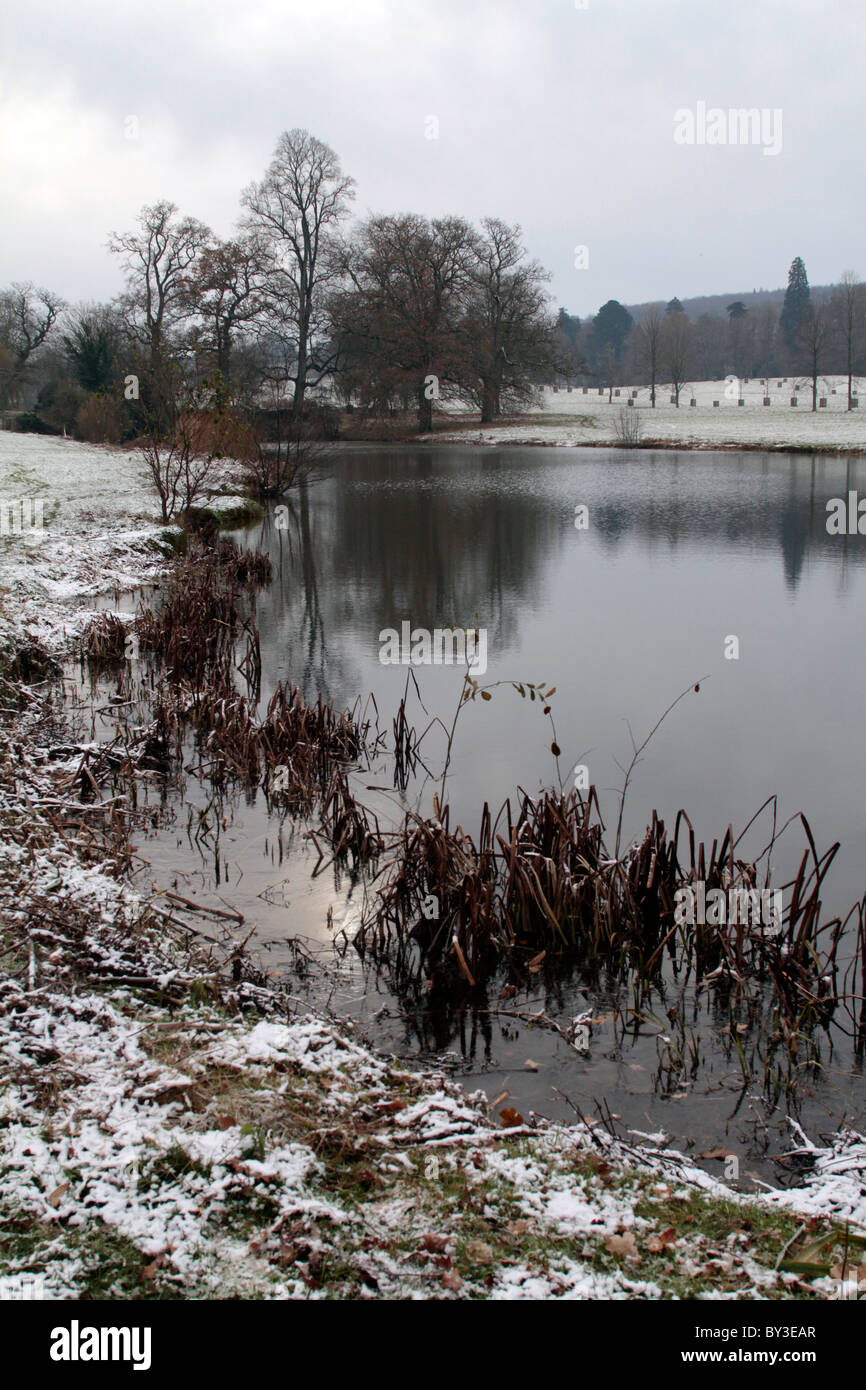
<point>226,290</point>
<point>815,336</point>
<point>675,348</point>
<point>27,317</point>
<point>848,307</point>
<point>158,258</point>
<point>649,337</point>
<point>294,210</point>
<point>407,284</point>
<point>508,331</point>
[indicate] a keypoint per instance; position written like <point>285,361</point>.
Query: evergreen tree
<point>610,328</point>
<point>795,310</point>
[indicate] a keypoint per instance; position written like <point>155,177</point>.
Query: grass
<point>227,517</point>
<point>106,1264</point>
<point>455,1218</point>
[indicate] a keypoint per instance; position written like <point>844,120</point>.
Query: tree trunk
<point>489,403</point>
<point>425,411</point>
<point>301,377</point>
<point>224,355</point>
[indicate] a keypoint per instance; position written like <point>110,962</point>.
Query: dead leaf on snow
<point>656,1244</point>
<point>598,1165</point>
<point>434,1244</point>
<point>511,1117</point>
<point>622,1245</point>
<point>479,1252</point>
<point>451,1280</point>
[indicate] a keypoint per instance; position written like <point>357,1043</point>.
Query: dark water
<point>683,551</point>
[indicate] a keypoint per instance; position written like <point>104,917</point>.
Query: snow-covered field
<point>101,531</point>
<point>572,418</point>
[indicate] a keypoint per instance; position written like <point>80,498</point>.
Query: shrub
<point>628,427</point>
<point>28,422</point>
<point>100,419</point>
<point>58,403</point>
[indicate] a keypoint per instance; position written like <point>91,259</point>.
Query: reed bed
<point>352,832</point>
<point>538,882</point>
<point>292,752</point>
<point>206,641</point>
<point>104,641</point>
<point>536,885</point>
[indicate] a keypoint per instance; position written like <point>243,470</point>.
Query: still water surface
<point>683,551</point>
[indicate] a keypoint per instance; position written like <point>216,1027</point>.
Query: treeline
<point>305,313</point>
<point>663,346</point>
<point>389,313</point>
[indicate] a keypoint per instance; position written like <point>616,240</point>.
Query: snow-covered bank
<point>168,1132</point>
<point>577,418</point>
<point>100,531</point>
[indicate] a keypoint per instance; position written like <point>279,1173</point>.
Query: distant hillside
<point>718,303</point>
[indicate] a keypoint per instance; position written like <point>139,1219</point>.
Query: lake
<point>683,551</point>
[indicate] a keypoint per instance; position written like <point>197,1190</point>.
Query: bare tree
<point>609,369</point>
<point>628,428</point>
<point>815,336</point>
<point>301,199</point>
<point>158,258</point>
<point>27,317</point>
<point>398,318</point>
<point>508,332</point>
<point>675,346</point>
<point>226,290</point>
<point>189,428</point>
<point>848,308</point>
<point>649,331</point>
<point>274,465</point>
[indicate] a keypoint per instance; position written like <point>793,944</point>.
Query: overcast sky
<point>558,117</point>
